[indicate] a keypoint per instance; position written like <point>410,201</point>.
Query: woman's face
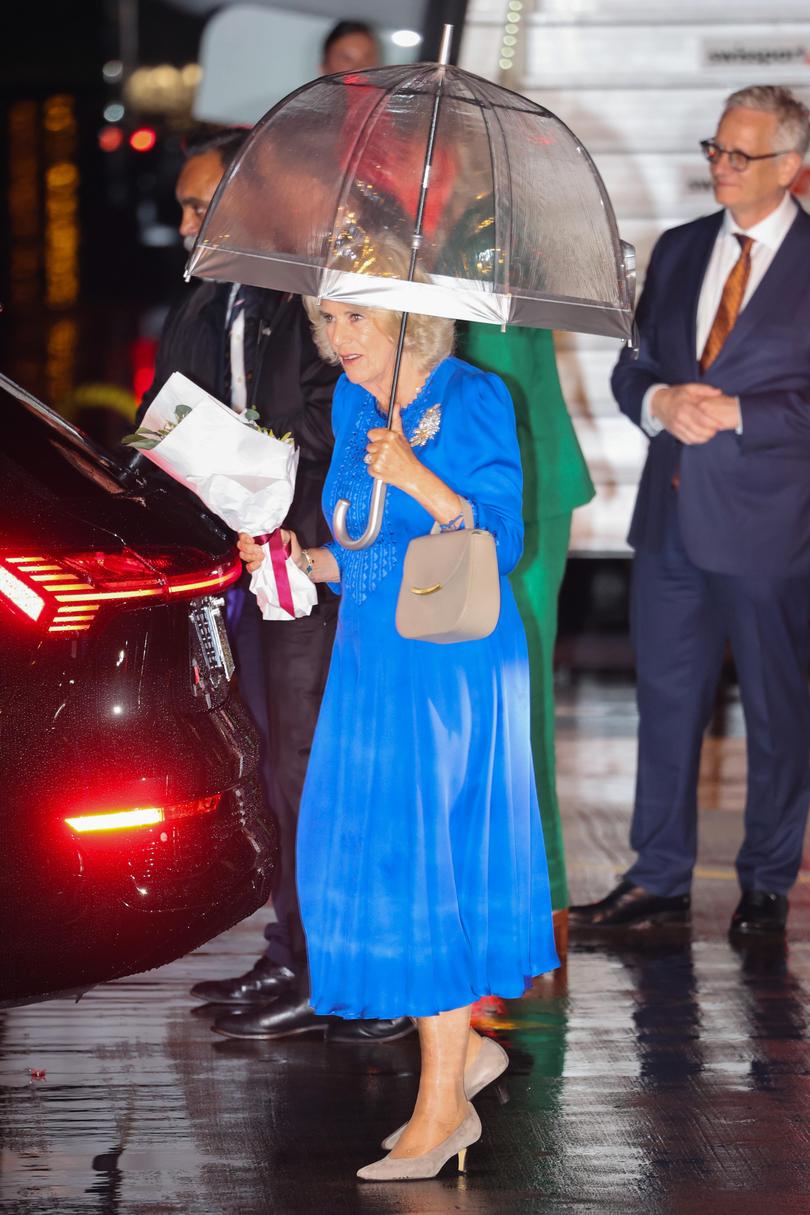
<point>366,353</point>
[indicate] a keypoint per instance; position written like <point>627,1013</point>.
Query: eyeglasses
<point>739,161</point>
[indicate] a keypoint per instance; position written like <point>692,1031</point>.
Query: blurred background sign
<point>252,55</point>
<point>641,82</point>
<point>396,13</point>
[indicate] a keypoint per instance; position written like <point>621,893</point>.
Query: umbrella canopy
<point>515,225</point>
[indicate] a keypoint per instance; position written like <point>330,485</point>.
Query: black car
<point>133,826</point>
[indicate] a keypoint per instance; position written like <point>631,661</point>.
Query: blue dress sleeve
<point>335,549</point>
<point>484,460</point>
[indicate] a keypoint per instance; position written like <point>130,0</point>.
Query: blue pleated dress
<point>421,868</point>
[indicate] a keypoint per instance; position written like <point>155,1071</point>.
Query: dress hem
<point>326,1009</point>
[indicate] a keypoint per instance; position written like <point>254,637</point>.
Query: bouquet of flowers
<point>242,472</point>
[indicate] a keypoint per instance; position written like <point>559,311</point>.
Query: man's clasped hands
<point>694,413</point>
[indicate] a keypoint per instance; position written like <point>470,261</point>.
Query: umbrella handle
<point>629,267</point>
<point>375,518</point>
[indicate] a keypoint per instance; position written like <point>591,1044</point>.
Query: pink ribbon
<point>278,555</point>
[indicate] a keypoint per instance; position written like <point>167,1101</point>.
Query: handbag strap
<point>466,511</point>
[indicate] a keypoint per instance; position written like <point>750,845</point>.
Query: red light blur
<point>142,357</point>
<point>143,140</point>
<point>110,139</point>
<point>801,184</point>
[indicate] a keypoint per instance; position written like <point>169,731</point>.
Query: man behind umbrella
<point>721,529</point>
<point>252,347</point>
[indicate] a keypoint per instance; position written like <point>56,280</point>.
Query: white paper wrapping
<point>244,476</point>
<point>263,586</point>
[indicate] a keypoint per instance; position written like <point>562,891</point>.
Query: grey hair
<point>428,339</point>
<point>793,116</point>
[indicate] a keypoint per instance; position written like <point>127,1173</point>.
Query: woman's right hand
<point>290,539</point>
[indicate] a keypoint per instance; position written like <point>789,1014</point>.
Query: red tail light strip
<point>141,816</point>
<point>183,588</point>
<point>64,594</point>
<point>117,820</point>
<point>23,597</point>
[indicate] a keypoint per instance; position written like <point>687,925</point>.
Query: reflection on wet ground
<point>665,1074</point>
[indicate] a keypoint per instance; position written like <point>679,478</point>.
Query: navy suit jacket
<point>744,500</point>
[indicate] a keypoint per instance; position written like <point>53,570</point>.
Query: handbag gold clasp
<point>426,590</point>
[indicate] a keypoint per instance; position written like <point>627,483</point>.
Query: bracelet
<point>309,567</point>
<point>453,525</point>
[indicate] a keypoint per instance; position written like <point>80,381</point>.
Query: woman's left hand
<point>389,455</point>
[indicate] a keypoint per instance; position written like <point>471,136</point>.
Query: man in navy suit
<point>721,528</point>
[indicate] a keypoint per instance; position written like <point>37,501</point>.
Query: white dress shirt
<point>235,325</point>
<point>767,235</point>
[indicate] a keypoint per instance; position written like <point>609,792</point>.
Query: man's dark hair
<point>226,142</point>
<point>342,30</point>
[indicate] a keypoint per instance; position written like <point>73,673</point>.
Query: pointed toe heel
<point>419,1168</point>
<point>490,1063</point>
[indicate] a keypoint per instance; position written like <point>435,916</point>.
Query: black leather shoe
<point>263,982</point>
<point>285,1017</point>
<point>370,1031</point>
<point>631,905</point>
<point>760,911</point>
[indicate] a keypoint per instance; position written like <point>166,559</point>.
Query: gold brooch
<point>428,427</point>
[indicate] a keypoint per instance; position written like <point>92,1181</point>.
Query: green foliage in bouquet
<point>252,416</point>
<point>145,439</point>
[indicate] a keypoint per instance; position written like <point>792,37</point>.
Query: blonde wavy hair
<point>428,339</point>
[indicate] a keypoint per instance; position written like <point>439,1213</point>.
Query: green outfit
<point>556,481</point>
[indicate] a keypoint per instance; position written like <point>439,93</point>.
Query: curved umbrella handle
<point>629,267</point>
<point>375,518</point>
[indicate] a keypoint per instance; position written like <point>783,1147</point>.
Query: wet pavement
<point>658,1073</point>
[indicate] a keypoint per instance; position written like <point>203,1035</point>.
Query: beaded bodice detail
<point>362,570</point>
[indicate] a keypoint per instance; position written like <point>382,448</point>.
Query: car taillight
<point>63,592</point>
<point>141,816</point>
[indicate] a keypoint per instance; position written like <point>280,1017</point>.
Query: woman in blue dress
<point>421,869</point>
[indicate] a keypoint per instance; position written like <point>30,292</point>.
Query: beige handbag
<point>450,585</point>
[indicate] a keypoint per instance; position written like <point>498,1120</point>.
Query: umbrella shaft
<point>420,214</point>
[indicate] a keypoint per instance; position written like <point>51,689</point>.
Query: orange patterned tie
<point>730,301</point>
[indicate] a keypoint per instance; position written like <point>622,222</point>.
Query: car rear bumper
<point>118,907</point>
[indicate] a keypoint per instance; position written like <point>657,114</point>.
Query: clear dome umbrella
<point>499,209</point>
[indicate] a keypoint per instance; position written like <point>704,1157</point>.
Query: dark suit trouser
<point>244,623</point>
<point>295,658</point>
<point>681,617</point>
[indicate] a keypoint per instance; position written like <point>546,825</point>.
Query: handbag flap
<point>432,561</point>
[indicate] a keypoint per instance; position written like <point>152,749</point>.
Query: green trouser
<point>536,583</point>
<point>555,481</point>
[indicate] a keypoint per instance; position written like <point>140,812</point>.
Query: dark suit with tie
<point>725,556</point>
<point>282,665</point>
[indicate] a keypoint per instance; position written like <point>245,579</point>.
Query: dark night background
<point>56,338</point>
<point>57,341</point>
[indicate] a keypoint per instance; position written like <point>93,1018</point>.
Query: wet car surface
<point>132,820</point>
